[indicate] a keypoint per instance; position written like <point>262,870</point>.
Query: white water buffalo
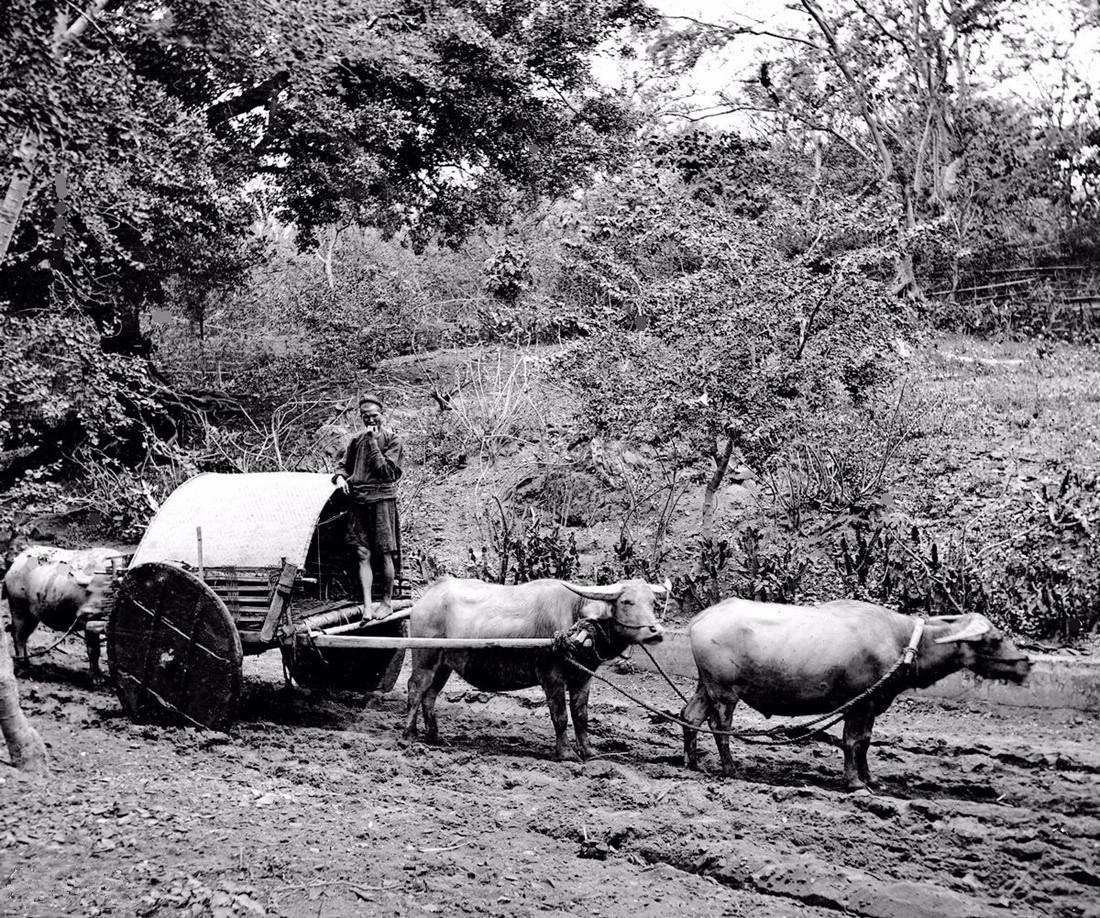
<point>542,608</point>
<point>57,587</point>
<point>792,661</point>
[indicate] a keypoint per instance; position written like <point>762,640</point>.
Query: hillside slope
<point>987,426</point>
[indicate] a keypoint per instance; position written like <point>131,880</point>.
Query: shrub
<point>709,330</point>
<point>441,444</point>
<point>63,400</point>
<point>568,493</point>
<point>1042,580</point>
<point>1053,569</point>
<point>628,563</point>
<point>771,569</point>
<point>492,406</point>
<point>523,547</point>
<point>536,319</point>
<point>507,274</point>
<point>844,462</point>
<point>58,390</point>
<point>707,583</point>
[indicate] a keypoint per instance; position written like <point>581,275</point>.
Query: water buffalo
<point>792,661</point>
<point>57,587</point>
<point>472,609</point>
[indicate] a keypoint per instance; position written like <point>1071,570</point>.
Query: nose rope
<point>661,670</point>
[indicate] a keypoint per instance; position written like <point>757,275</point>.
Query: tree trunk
<point>710,498</point>
<point>18,188</point>
<point>25,746</point>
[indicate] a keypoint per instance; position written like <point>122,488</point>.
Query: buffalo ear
<point>596,610</point>
<point>974,628</point>
<point>662,590</point>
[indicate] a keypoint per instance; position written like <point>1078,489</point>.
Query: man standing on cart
<point>369,474</point>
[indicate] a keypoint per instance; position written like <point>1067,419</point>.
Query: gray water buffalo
<point>58,587</point>
<point>792,661</point>
<point>471,609</point>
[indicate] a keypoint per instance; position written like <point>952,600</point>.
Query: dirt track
<point>312,807</point>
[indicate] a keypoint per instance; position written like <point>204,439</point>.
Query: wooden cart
<point>233,565</point>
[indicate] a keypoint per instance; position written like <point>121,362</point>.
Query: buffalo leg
<point>856,742</point>
<point>857,739</point>
<point>93,640</point>
<point>861,753</point>
<point>694,712</point>
<point>720,719</point>
<point>553,684</point>
<point>22,627</point>
<point>425,664</point>
<point>578,709</point>
<point>427,702</point>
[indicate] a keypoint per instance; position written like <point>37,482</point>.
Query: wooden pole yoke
<point>364,642</point>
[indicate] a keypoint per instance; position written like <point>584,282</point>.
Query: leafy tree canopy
<point>155,122</point>
<point>728,315</point>
<point>918,94</point>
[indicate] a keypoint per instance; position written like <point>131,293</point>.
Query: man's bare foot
<point>382,610</point>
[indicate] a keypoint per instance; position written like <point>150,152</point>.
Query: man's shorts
<point>374,525</point>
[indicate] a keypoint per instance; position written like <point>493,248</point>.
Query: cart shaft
<point>317,639</point>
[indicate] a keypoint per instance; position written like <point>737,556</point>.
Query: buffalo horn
<point>608,593</point>
<point>971,631</point>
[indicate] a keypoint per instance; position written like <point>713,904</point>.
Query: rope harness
<point>584,638</point>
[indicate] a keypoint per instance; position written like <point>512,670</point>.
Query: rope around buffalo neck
<point>770,736</point>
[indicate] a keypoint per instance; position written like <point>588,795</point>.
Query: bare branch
<point>734,31</point>
<point>870,117</point>
<point>81,23</point>
<point>787,113</point>
<point>882,27</point>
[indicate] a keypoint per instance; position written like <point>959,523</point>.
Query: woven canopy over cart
<point>237,564</point>
<point>256,520</point>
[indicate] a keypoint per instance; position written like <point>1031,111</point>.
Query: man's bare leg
<point>385,607</point>
<point>366,578</point>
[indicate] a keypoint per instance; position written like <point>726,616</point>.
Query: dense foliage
<point>723,315</point>
<point>152,123</point>
<point>227,217</point>
<point>912,95</point>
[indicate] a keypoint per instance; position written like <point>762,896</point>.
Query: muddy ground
<point>311,807</point>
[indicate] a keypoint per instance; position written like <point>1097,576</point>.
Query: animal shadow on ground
<point>298,707</point>
<point>76,675</point>
<point>798,767</point>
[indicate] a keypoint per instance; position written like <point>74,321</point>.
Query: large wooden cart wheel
<point>173,649</point>
<point>349,668</point>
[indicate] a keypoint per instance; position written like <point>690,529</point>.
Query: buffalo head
<point>628,604</point>
<point>985,649</point>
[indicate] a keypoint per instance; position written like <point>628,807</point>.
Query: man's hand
<point>342,484</point>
